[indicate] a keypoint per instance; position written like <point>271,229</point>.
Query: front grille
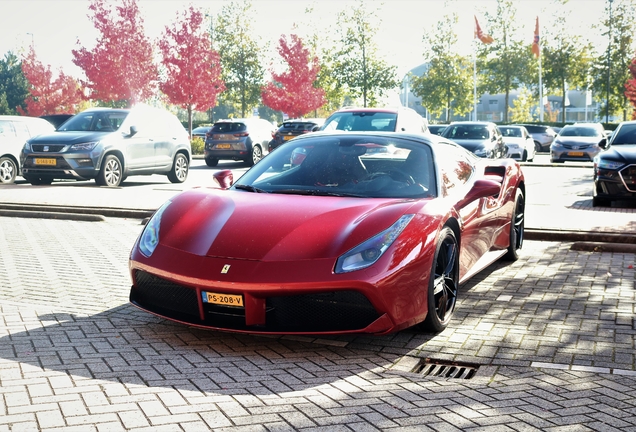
<point>315,312</point>
<point>576,146</point>
<point>52,148</point>
<point>628,175</point>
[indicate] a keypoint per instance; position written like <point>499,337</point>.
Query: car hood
<point>70,137</point>
<point>578,140</point>
<point>621,152</point>
<point>273,227</point>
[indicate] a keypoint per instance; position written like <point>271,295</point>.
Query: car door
<point>138,142</point>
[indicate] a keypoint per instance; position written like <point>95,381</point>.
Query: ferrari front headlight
<point>368,252</point>
<point>150,235</point>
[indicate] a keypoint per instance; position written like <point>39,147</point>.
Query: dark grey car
<point>482,138</point>
<point>108,145</point>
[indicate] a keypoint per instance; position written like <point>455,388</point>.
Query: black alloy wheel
<point>443,283</point>
<point>517,227</point>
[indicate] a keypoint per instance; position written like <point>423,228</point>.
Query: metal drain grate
<point>452,370</point>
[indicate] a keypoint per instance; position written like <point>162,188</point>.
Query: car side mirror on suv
<point>133,131</point>
<point>603,143</point>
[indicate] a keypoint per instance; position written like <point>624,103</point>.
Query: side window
<point>6,129</point>
<point>455,167</point>
<point>21,130</point>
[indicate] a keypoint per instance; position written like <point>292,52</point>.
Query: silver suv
<point>542,135</point>
<point>14,131</point>
<point>244,140</point>
<point>108,145</point>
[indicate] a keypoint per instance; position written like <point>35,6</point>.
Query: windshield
<point>511,132</point>
<point>580,132</point>
<point>465,132</point>
<point>357,165</point>
<point>361,121</point>
<point>96,121</point>
<point>625,135</point>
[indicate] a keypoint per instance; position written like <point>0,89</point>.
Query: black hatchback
<point>293,128</point>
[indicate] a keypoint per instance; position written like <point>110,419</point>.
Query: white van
<point>14,132</point>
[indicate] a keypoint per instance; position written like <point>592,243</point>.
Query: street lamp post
<point>609,50</point>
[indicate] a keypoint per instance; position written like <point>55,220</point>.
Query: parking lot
<point>545,343</point>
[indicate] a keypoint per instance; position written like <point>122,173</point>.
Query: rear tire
<point>257,154</point>
<point>111,173</point>
<point>179,172</point>
<point>212,162</point>
<point>443,283</point>
<point>8,170</point>
<point>517,227</point>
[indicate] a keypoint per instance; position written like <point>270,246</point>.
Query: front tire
<point>517,227</point>
<point>179,172</point>
<point>443,283</point>
<point>111,173</point>
<point>8,170</point>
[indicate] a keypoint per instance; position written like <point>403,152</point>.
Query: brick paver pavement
<point>551,338</point>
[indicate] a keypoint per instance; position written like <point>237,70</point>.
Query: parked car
<point>293,128</point>
<point>108,145</point>
<point>14,132</point>
<point>399,119</point>
<point>347,241</point>
<point>244,140</point>
<point>577,142</point>
<point>615,167</point>
<point>201,132</point>
<point>480,137</point>
<point>542,135</point>
<point>56,119</point>
<point>436,129</point>
<point>519,143</point>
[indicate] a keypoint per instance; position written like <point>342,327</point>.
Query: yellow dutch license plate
<point>223,146</point>
<point>44,161</point>
<point>575,154</point>
<point>223,299</point>
<point>287,137</point>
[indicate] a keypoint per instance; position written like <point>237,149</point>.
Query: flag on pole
<point>479,34</point>
<point>536,48</point>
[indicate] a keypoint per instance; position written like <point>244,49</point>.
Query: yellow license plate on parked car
<point>287,137</point>
<point>223,299</point>
<point>44,161</point>
<point>575,154</point>
<point>223,146</point>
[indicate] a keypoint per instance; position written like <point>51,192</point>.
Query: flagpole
<point>540,90</point>
<point>474,81</point>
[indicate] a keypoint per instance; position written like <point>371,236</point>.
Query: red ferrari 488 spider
<point>332,233</point>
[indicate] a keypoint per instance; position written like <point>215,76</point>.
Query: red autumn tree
<point>193,70</point>
<point>630,87</point>
<point>47,95</point>
<point>293,91</point>
<point>120,68</point>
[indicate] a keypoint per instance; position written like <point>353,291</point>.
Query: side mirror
<point>481,189</point>
<point>133,131</point>
<point>603,143</point>
<point>224,178</point>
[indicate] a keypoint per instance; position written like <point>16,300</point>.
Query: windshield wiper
<point>315,192</point>
<point>250,188</point>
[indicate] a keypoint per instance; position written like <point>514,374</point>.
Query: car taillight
<point>241,134</point>
<point>306,131</point>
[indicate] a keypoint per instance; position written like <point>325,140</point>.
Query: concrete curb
<point>71,212</point>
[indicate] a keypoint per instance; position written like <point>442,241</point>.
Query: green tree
<point>566,59</point>
<point>506,63</point>
<point>240,56</point>
<point>14,87</point>
<point>447,85</point>
<point>522,107</point>
<point>356,64</point>
<point>623,28</point>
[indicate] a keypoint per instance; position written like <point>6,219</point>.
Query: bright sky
<point>54,26</point>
